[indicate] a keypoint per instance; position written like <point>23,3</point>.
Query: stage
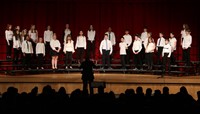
<point>116,82</point>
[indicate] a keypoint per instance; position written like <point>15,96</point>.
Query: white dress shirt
<point>137,46</point>
<point>69,47</point>
<point>106,45</point>
<point>123,46</point>
<point>27,47</point>
<point>128,39</point>
<point>54,44</point>
<point>48,35</point>
<point>167,49</point>
<point>66,32</point>
<point>160,42</point>
<point>33,35</point>
<point>9,35</point>
<point>80,42</point>
<point>187,41</point>
<point>16,43</point>
<point>40,48</point>
<point>112,37</point>
<point>91,35</point>
<point>150,47</point>
<point>144,36</point>
<point>172,42</point>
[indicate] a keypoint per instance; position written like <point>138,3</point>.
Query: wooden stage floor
<point>116,82</point>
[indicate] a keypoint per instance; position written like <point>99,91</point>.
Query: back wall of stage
<point>159,16</point>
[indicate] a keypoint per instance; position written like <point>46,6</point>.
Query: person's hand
<point>24,54</point>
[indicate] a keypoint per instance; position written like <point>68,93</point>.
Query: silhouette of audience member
<point>148,92</point>
<point>87,74</point>
<point>100,90</point>
<point>130,92</point>
<point>50,101</point>
<point>139,91</point>
<point>198,97</point>
<point>165,91</point>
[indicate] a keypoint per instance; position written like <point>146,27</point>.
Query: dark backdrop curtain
<point>159,15</point>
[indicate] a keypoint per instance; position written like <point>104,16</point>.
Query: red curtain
<point>166,16</point>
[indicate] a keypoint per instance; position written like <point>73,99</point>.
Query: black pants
<point>80,54</point>
<point>85,85</point>
<point>166,62</point>
<point>28,60</point>
<point>9,49</point>
<point>106,58</point>
<point>34,49</point>
<point>90,49</point>
<point>172,59</point>
<point>123,60</point>
<point>149,58</point>
<point>143,55</point>
<point>68,58</point>
<point>137,60</point>
<point>128,54</point>
<point>16,56</point>
<point>186,56</point>
<point>159,55</point>
<point>40,60</point>
<point>47,49</point>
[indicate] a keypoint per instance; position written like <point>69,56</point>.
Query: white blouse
<point>69,47</point>
<point>172,42</point>
<point>128,39</point>
<point>16,42</point>
<point>80,42</point>
<point>54,44</point>
<point>40,48</point>
<point>144,36</point>
<point>9,35</point>
<point>123,46</point>
<point>66,32</point>
<point>187,41</point>
<point>150,48</point>
<point>48,35</point>
<point>33,35</point>
<point>91,35</point>
<point>137,46</point>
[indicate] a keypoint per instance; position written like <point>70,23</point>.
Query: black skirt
<point>54,53</point>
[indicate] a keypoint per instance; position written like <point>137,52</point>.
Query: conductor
<point>87,74</point>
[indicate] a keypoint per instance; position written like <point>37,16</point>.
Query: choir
<point>26,44</point>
